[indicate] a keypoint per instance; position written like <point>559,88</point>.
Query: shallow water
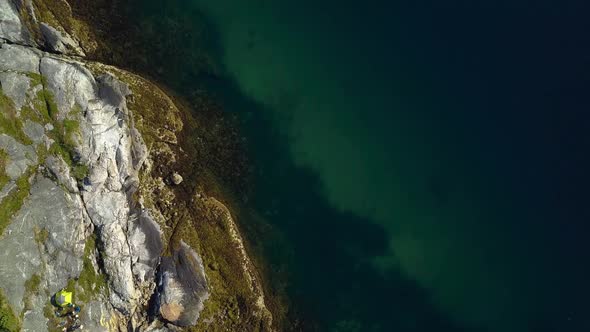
<point>423,163</point>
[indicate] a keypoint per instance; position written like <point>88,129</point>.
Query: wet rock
<point>183,286</point>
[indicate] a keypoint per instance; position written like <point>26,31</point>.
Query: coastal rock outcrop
<point>86,153</point>
<point>71,157</point>
<point>182,286</point>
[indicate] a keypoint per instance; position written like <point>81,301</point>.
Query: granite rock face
<point>73,158</point>
<point>182,286</point>
<point>11,27</point>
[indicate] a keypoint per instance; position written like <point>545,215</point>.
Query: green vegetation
<point>36,79</point>
<point>80,172</point>
<point>90,282</point>
<point>41,235</point>
<point>9,322</point>
<point>63,133</point>
<point>31,290</point>
<point>70,129</point>
<point>32,285</point>
<point>50,105</point>
<point>12,203</point>
<point>3,177</point>
<point>10,124</point>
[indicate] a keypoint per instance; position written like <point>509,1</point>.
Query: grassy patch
<point>50,105</point>
<point>12,203</point>
<point>9,322</point>
<point>63,133</point>
<point>36,79</point>
<point>3,160</point>
<point>80,172</point>
<point>10,124</point>
<point>90,282</point>
<point>71,128</point>
<point>29,113</point>
<point>41,235</point>
<point>31,290</point>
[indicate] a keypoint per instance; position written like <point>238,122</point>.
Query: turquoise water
<point>423,163</point>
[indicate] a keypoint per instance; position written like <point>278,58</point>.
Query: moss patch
<point>90,283</point>
<point>12,203</point>
<point>64,133</point>
<point>41,235</point>
<point>31,290</point>
<point>10,124</point>
<point>58,14</point>
<point>36,79</point>
<point>9,322</point>
<point>80,172</point>
<point>3,160</point>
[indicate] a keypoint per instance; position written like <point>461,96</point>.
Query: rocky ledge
<point>81,206</point>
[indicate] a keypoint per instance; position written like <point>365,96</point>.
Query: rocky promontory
<point>95,197</point>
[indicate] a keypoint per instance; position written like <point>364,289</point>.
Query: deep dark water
<point>423,164</point>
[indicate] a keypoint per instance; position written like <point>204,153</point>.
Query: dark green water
<point>424,162</point>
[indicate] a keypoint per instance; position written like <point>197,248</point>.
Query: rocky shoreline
<point>92,198</point>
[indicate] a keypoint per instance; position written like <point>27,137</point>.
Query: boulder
<point>176,178</point>
<point>182,286</point>
<point>59,42</point>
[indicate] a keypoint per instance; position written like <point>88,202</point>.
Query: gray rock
<point>34,131</point>
<point>112,91</point>
<point>93,314</point>
<point>33,319</point>
<point>59,42</point>
<point>20,156</point>
<point>130,241</point>
<point>58,258</point>
<point>8,188</point>
<point>69,82</point>
<point>58,167</point>
<point>140,151</point>
<point>145,239</point>
<point>183,286</point>
<point>18,58</point>
<point>11,27</point>
<point>15,86</point>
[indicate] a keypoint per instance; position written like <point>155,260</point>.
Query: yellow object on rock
<point>63,298</point>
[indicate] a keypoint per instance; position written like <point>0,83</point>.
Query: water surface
<point>423,163</point>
